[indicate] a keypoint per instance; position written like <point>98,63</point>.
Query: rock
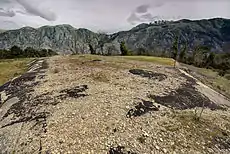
<point>164,150</point>
<point>61,141</point>
<point>157,147</point>
<point>146,134</point>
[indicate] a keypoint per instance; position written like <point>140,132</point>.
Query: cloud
<point>37,11</point>
<point>7,13</point>
<point>148,17</point>
<point>8,25</point>
<point>158,4</point>
<point>142,14</point>
<point>133,18</point>
<point>142,8</point>
<point>106,15</point>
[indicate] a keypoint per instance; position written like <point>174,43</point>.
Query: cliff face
<point>62,38</point>
<point>214,33</point>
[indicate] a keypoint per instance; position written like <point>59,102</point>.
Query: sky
<point>105,15</point>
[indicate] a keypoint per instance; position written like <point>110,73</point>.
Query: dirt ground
<point>92,104</point>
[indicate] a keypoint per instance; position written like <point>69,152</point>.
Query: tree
<point>4,54</point>
<point>92,51</point>
<point>141,51</point>
<point>124,50</point>
<point>200,56</point>
<point>175,50</point>
<point>16,52</point>
<point>210,60</point>
<point>182,54</point>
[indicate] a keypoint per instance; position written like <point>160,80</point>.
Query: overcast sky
<point>105,15</point>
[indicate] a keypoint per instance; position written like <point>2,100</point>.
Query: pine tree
<point>124,50</point>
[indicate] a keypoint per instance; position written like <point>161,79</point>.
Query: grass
<point>205,130</point>
<point>156,60</point>
<point>211,78</point>
<point>11,68</point>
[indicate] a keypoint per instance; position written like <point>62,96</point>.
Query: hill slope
<point>214,33</point>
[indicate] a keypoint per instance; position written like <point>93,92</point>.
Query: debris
<point>119,150</point>
<point>75,92</point>
<point>148,74</point>
<point>142,108</point>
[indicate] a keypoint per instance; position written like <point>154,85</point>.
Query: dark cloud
<point>32,9</point>
<point>6,13</point>
<point>133,18</point>
<point>5,1</point>
<point>149,17</point>
<point>141,13</point>
<point>142,8</point>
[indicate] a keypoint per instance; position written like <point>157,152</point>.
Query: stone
<point>157,147</point>
<point>164,150</point>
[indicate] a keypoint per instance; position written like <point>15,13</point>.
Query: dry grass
<point>12,68</point>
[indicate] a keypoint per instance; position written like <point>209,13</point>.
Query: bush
<point>222,72</point>
<point>16,52</point>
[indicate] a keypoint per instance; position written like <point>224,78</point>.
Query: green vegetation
<point>11,68</point>
<point>200,56</point>
<point>124,49</point>
<point>13,62</point>
<point>175,49</point>
<point>92,50</point>
<point>156,60</point>
<point>16,52</point>
<point>211,78</point>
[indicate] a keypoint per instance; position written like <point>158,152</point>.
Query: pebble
<point>157,147</point>
<point>164,150</point>
<point>146,134</point>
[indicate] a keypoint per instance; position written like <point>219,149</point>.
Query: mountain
<point>214,33</point>
<point>1,30</point>
<point>153,37</point>
<point>62,38</point>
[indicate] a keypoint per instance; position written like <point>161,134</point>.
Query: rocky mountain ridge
<point>153,37</point>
